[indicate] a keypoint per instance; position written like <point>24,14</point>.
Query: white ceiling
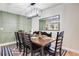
<point>22,8</point>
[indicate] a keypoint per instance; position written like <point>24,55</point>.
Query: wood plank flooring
<point>69,53</point>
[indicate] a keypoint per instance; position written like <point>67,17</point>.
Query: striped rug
<point>12,50</point>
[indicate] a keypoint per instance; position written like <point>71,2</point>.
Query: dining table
<point>42,41</point>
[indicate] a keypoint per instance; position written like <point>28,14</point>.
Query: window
<point>50,23</point>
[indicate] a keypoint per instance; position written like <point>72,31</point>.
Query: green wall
<point>11,23</point>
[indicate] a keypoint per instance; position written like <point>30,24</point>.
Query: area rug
<point>14,51</point>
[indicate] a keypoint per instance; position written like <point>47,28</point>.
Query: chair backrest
<point>47,34</point>
<point>16,36</point>
<point>58,45</point>
<point>36,32</point>
<point>20,37</point>
<point>27,40</point>
<point>43,33</point>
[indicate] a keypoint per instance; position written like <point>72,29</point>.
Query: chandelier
<point>33,11</point>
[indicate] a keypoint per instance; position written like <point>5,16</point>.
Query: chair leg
<point>17,44</point>
<point>60,52</point>
<point>41,53</point>
<point>31,53</point>
<point>26,51</point>
<point>19,47</point>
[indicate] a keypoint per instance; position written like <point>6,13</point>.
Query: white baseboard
<point>4,44</point>
<point>69,49</point>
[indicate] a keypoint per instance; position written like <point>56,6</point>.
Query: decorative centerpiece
<point>39,36</point>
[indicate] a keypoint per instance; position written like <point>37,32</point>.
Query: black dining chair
<point>36,32</point>
<point>29,45</point>
<point>17,38</point>
<point>20,41</point>
<point>57,50</point>
<point>47,34</point>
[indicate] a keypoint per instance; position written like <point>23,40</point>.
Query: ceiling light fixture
<point>34,11</point>
<point>32,4</point>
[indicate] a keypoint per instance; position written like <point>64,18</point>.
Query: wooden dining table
<point>42,42</point>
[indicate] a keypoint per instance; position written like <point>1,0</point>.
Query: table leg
<point>42,50</point>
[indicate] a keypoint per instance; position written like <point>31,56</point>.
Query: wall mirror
<point>50,23</point>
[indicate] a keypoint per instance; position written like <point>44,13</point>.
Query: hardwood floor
<point>69,53</point>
